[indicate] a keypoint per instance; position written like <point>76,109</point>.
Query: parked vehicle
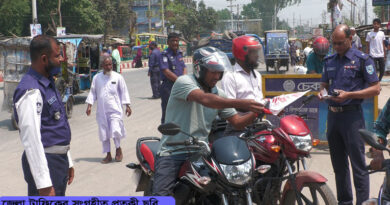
<point>277,149</point>
<point>279,152</point>
<point>384,193</point>
<point>221,174</point>
<point>276,50</point>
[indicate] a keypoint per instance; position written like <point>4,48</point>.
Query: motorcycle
<point>276,150</point>
<point>280,148</point>
<point>217,174</point>
<point>384,193</point>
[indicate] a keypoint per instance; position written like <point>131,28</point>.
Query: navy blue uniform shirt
<point>53,131</point>
<point>352,72</point>
<point>174,62</point>
<point>154,59</point>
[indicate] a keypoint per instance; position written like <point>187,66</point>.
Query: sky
<point>307,10</point>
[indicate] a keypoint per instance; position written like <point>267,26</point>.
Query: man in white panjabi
<point>109,90</point>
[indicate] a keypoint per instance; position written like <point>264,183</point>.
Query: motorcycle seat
<point>149,151</point>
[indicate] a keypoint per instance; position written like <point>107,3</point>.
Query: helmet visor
<point>217,62</point>
<point>255,52</point>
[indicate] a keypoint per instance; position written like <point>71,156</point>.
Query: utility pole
<point>274,19</point>
<point>231,13</point>
<point>294,20</point>
<point>238,16</point>
<point>59,12</point>
<point>149,17</point>
<point>300,20</point>
<point>34,12</point>
<point>163,16</point>
<point>365,12</point>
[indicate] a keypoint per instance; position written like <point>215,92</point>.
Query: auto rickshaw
<point>15,62</point>
<point>82,55</point>
<point>276,49</point>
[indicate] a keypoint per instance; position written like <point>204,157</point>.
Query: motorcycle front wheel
<point>312,193</point>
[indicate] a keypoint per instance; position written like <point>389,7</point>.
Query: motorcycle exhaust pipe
<point>248,197</point>
<point>224,199</point>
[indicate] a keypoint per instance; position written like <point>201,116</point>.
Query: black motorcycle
<point>217,175</point>
<point>384,193</point>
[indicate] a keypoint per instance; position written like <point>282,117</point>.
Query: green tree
<point>223,14</point>
<point>78,16</point>
<point>268,8</point>
<point>15,17</point>
<point>191,19</point>
<point>250,12</point>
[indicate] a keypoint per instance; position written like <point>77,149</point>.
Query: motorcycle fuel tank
<point>230,150</point>
<point>294,125</point>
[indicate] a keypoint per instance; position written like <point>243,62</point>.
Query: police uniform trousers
<point>155,81</point>
<point>59,170</point>
<point>165,92</point>
<point>345,142</point>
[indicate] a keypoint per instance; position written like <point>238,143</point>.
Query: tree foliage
<point>15,16</point>
<point>78,16</point>
<point>191,18</point>
<point>266,9</point>
<point>223,14</point>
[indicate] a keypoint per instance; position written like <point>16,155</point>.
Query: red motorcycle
<point>276,150</point>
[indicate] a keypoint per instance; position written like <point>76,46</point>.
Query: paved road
<point>94,178</point>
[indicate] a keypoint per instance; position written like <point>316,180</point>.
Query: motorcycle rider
<point>194,103</point>
<point>243,81</point>
<point>315,60</point>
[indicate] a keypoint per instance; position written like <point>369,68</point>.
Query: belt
<point>57,149</point>
<point>344,108</point>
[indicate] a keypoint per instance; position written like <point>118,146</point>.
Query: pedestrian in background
<point>138,59</point>
<point>110,91</point>
<point>154,69</point>
<point>116,55</point>
<point>171,66</point>
<point>356,42</point>
<point>376,47</point>
<point>43,125</point>
<point>293,53</point>
<point>350,76</point>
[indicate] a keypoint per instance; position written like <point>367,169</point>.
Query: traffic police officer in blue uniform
<point>154,69</point>
<point>348,77</point>
<point>44,128</point>
<point>171,66</point>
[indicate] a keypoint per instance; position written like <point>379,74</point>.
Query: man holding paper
<point>348,77</point>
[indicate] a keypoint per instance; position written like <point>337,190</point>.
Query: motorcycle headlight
<point>238,174</point>
<point>302,143</point>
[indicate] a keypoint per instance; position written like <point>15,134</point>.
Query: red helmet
<point>321,46</point>
<point>242,44</point>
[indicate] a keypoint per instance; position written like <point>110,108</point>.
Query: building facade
<point>140,7</point>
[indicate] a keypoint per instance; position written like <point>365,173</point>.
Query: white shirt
<point>307,51</point>
<point>376,43</point>
<point>238,84</point>
<point>110,91</point>
<point>29,115</point>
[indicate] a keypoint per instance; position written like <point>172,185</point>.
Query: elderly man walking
<point>109,90</point>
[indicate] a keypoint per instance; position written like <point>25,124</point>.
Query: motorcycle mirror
<point>169,129</point>
<point>371,139</point>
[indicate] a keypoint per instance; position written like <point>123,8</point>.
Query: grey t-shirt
<point>192,117</point>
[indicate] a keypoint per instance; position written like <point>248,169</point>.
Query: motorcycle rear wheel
<point>310,193</point>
